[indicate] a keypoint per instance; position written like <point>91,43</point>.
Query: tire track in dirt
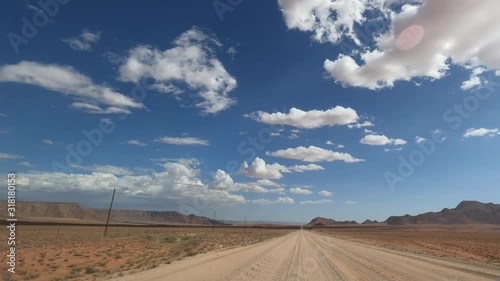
<point>305,255</point>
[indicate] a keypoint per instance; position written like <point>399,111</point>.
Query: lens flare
<point>410,37</point>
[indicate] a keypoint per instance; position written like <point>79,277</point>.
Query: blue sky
<point>271,110</point>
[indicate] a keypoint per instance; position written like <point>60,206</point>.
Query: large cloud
<point>423,40</point>
<point>314,154</point>
<point>191,62</point>
<point>308,119</point>
<point>89,97</point>
<point>177,182</point>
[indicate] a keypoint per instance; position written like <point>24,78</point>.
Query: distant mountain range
<point>319,221</point>
<point>467,212</point>
<point>42,211</point>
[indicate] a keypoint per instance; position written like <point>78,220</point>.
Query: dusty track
<point>304,255</point>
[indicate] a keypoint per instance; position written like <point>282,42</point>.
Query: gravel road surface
<point>305,255</point>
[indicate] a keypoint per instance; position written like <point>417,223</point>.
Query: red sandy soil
<point>56,253</point>
<point>466,242</point>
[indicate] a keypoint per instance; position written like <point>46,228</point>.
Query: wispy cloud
<point>136,142</point>
<point>83,42</point>
<point>280,200</point>
<point>66,80</point>
<point>182,141</point>
<point>106,169</point>
<point>47,141</point>
<point>350,202</point>
<point>361,125</point>
<point>26,164</point>
<point>419,139</point>
<point>308,167</point>
<point>314,154</point>
<point>321,201</point>
<point>4,155</point>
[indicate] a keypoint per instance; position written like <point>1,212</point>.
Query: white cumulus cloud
<point>176,182</point>
<point>381,140</point>
<point>308,119</point>
<point>481,132</point>
<point>259,169</point>
<point>423,40</point>
<point>328,20</point>
<point>325,193</point>
<point>192,63</point>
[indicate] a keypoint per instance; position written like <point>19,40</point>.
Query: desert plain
<point>80,252</point>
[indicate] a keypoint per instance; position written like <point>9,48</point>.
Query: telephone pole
<point>213,223</point>
<point>109,213</point>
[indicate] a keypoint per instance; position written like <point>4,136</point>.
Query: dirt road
<point>304,255</point>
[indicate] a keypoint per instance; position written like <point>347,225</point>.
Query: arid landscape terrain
<point>81,253</point>
<point>57,241</point>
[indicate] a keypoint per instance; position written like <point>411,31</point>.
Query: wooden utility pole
<point>213,223</point>
<point>244,224</point>
<point>109,213</point>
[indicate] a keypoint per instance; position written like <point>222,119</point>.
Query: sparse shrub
<point>91,269</point>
